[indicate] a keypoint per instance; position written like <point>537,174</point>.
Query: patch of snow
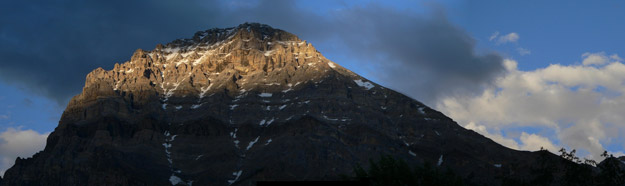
<point>233,106</point>
<point>365,84</point>
<point>195,106</point>
<point>197,61</point>
<point>287,90</point>
<point>236,174</point>
<point>198,157</point>
<point>421,110</point>
<point>497,165</point>
<point>268,141</point>
<point>262,122</point>
<point>236,143</point>
<point>175,180</point>
<point>437,133</point>
<point>249,146</point>
<point>234,134</point>
<point>178,107</point>
<point>440,160</point>
<point>167,145</point>
<point>265,95</point>
<point>282,107</point>
<point>331,65</point>
<point>205,90</point>
<point>326,117</point>
<point>289,118</point>
<point>383,107</point>
<point>412,153</point>
<point>117,85</point>
<point>164,106</point>
<point>270,121</point>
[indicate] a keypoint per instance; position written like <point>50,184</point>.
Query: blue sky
<point>34,92</point>
<point>555,31</point>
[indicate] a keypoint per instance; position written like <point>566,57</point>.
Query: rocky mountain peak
<point>250,57</point>
<point>249,103</point>
<point>249,32</point>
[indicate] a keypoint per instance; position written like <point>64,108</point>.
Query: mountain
<point>244,104</point>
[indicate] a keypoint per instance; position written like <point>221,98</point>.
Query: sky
<point>527,74</point>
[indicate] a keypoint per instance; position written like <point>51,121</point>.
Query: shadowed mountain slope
<point>244,104</point>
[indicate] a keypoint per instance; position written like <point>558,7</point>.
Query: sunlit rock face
<point>244,104</point>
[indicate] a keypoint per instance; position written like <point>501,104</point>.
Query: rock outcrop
<point>244,104</point>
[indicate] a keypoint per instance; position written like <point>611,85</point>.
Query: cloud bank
<point>584,105</point>
<point>15,142</point>
<point>67,39</point>
<point>48,47</point>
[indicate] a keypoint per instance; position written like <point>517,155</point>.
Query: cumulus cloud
<point>582,104</point>
<point>530,142</point>
<point>534,142</point>
<point>15,142</point>
<point>501,39</point>
<point>599,58</point>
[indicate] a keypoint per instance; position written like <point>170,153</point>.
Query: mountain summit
<point>244,104</point>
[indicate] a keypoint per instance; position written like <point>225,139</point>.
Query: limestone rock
<point>238,105</point>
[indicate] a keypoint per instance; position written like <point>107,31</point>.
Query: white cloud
<point>523,51</point>
<point>15,142</point>
<point>530,142</point>
<point>599,58</point>
<point>501,39</point>
<point>584,105</point>
<point>534,142</point>
<point>494,36</point>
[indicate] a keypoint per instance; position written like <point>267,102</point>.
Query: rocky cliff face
<point>239,105</point>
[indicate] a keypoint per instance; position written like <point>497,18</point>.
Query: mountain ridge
<point>243,104</point>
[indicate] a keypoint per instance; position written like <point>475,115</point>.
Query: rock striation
<point>244,104</point>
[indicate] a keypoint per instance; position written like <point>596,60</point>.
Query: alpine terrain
<point>250,103</point>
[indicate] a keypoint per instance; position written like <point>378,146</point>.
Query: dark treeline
<point>576,171</point>
<point>388,171</point>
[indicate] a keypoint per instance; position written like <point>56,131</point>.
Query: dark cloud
<point>424,56</point>
<point>49,47</point>
<point>420,54</point>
